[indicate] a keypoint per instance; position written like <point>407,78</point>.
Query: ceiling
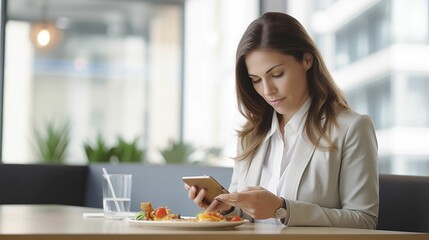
<point>134,14</point>
<point>103,10</point>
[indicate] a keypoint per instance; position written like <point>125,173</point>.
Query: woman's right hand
<point>197,195</point>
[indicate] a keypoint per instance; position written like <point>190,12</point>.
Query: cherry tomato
<point>161,212</point>
<point>236,218</point>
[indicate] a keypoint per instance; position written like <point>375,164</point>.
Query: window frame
<point>181,90</point>
<point>3,9</point>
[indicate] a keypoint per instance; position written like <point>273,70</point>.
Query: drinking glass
<point>116,195</point>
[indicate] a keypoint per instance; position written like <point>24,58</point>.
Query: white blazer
<point>326,188</point>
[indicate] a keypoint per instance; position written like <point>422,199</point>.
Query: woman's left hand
<point>258,202</point>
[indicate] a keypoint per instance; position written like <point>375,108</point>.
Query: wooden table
<point>67,222</point>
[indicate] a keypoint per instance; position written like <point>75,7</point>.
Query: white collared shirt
<point>281,149</point>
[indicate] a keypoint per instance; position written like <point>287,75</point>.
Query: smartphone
<point>213,187</point>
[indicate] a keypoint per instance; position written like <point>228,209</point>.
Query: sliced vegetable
<point>141,216</point>
<point>161,212</point>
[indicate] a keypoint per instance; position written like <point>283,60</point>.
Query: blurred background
<point>153,80</point>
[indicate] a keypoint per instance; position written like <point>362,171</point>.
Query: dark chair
<point>42,184</point>
<point>404,203</point>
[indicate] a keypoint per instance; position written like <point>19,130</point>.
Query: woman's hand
<point>258,202</point>
<point>198,197</point>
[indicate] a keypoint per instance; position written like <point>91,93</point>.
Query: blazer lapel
<point>255,168</point>
<point>300,159</point>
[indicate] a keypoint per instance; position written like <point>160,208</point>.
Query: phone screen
<point>213,187</point>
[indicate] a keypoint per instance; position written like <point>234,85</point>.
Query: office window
<point>412,164</point>
<point>380,103</point>
<point>379,24</point>
<point>416,112</point>
<point>322,4</point>
<point>358,100</point>
<point>376,101</point>
<point>378,52</point>
<point>362,43</point>
<point>364,35</point>
<point>410,22</point>
<point>105,70</point>
<point>404,164</point>
<point>418,165</point>
<point>157,72</point>
<point>385,164</point>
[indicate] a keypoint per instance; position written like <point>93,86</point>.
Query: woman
<point>304,157</point>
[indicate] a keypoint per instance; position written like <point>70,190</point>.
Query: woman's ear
<point>308,60</point>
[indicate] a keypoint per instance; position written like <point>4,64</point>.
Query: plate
<point>186,224</point>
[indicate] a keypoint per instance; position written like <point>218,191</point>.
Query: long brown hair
<point>283,33</point>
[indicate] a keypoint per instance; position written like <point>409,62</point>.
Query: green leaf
<point>128,152</point>
<point>141,215</point>
<point>98,152</point>
<point>177,152</point>
<point>52,143</point>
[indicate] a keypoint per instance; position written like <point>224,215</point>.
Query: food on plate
<point>210,217</point>
<point>215,217</point>
<point>150,214</point>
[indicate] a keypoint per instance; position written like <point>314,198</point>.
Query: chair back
<point>404,203</point>
<point>42,184</point>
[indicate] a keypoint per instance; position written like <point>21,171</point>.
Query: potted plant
<point>177,152</point>
<point>128,152</point>
<point>122,152</point>
<point>53,143</point>
<point>98,152</point>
